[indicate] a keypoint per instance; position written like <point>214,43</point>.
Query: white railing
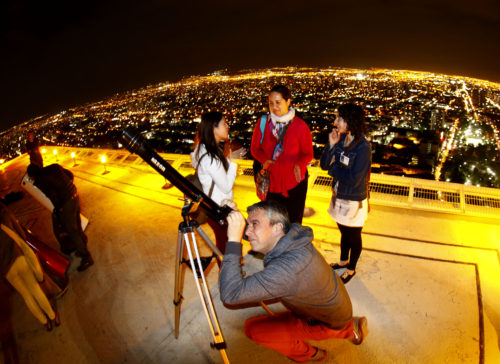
<point>385,190</point>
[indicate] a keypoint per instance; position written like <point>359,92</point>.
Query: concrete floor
<point>427,282</point>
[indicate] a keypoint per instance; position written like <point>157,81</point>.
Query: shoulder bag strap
<point>352,145</point>
<point>263,122</point>
<point>211,189</point>
<point>213,183</point>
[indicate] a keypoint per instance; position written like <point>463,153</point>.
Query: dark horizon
<point>60,55</point>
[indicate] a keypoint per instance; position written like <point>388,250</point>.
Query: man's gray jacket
<point>296,273</point>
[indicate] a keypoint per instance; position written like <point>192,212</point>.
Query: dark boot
<point>85,263</point>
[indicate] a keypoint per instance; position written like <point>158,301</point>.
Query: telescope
<point>135,143</point>
<point>186,240</point>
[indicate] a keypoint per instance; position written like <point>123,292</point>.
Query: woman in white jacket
<point>215,170</point>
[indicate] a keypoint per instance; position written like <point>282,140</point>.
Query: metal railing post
<point>462,199</point>
<point>411,193</point>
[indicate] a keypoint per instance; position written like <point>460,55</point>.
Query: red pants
<point>286,333</point>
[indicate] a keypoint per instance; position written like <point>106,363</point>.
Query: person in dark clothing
<point>57,184</point>
<point>347,157</point>
<point>33,151</point>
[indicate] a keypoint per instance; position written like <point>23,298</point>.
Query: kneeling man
<point>295,272</point>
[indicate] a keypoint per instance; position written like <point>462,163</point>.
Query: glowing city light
<point>103,162</point>
<point>73,155</point>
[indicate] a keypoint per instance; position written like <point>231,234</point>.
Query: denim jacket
<point>350,169</point>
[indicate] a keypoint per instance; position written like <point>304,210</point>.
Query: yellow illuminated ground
<point>427,282</point>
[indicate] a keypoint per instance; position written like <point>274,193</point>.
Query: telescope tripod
<point>186,238</point>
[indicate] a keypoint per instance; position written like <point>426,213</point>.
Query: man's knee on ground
<point>252,326</point>
<point>248,328</point>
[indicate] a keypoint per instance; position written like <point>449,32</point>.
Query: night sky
<point>59,54</point>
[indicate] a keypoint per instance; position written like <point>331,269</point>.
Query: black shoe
<point>57,319</point>
<point>347,276</point>
<point>85,263</point>
<point>338,266</point>
<point>67,251</point>
<point>360,330</point>
<point>48,325</point>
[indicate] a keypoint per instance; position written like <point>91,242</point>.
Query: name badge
<point>344,160</point>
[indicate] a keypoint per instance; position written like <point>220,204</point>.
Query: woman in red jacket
<point>287,161</point>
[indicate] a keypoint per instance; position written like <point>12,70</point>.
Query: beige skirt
<point>348,213</point>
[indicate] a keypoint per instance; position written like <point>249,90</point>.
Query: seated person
<point>318,305</point>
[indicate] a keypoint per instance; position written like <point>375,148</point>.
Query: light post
<point>55,154</point>
<point>103,161</point>
<point>74,159</point>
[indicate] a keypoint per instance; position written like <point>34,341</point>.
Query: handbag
<point>262,183</point>
<point>200,214</point>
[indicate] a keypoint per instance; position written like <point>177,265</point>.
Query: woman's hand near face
<point>296,172</point>
<point>333,137</point>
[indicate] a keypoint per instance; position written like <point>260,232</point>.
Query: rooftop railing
<point>387,190</point>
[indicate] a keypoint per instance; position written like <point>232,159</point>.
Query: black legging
<point>295,202</point>
<point>350,240</point>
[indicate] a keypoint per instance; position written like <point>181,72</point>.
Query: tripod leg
<point>205,296</point>
<point>207,240</point>
<point>268,310</point>
<point>178,277</point>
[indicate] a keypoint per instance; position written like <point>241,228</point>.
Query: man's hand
<point>235,226</point>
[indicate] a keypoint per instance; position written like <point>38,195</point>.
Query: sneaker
<point>347,276</point>
<point>319,355</point>
<point>360,330</point>
<point>85,263</point>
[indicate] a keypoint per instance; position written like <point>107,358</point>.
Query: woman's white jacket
<point>212,170</point>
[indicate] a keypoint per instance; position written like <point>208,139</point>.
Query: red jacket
<point>297,149</point>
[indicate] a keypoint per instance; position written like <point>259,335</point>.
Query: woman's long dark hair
<point>205,136</point>
<point>354,116</point>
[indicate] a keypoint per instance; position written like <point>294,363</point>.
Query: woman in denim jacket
<point>348,159</point>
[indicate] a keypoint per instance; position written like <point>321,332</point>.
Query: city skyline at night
<point>420,124</point>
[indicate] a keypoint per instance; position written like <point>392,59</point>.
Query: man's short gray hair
<point>275,212</point>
